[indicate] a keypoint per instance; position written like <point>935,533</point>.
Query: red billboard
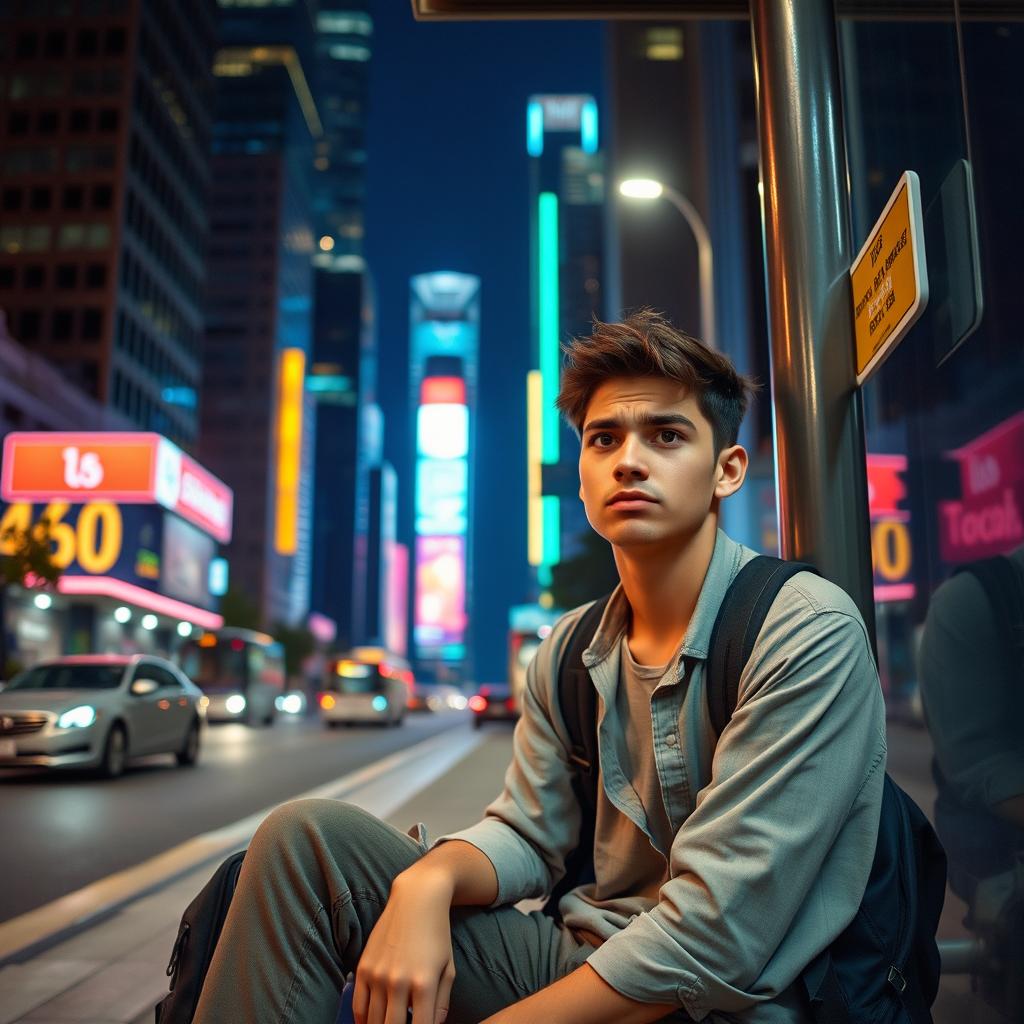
<point>987,518</point>
<point>132,468</point>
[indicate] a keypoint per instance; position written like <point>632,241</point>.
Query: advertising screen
<point>440,591</point>
<point>99,538</point>
<point>187,553</point>
<point>442,492</point>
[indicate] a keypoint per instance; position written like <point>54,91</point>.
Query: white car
<point>96,711</point>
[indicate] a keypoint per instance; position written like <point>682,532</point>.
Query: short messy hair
<point>645,344</point>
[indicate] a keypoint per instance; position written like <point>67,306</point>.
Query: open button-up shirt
<point>775,824</point>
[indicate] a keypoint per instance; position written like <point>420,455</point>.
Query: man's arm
<point>582,997</point>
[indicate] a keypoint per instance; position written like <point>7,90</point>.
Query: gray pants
<point>313,883</point>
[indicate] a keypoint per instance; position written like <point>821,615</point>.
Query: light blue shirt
<point>775,825</point>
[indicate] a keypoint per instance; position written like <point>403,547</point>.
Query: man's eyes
<point>663,436</point>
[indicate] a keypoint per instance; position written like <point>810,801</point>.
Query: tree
<point>298,643</point>
<point>238,609</point>
<point>586,576</point>
<point>26,560</point>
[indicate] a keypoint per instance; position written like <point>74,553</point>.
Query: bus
<point>241,671</point>
<point>529,624</point>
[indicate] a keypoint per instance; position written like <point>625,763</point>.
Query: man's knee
<point>305,825</point>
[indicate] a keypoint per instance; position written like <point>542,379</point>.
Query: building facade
<point>567,286</point>
<point>104,135</point>
<point>257,420</point>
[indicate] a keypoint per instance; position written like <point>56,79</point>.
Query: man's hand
<point>407,961</point>
<point>408,956</point>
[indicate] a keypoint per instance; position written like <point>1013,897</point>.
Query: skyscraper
<point>445,328</point>
<point>257,430</point>
<point>342,380</point>
<point>104,136</point>
<point>567,274</point>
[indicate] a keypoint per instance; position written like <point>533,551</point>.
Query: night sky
<point>448,189</point>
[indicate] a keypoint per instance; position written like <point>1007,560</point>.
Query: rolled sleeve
<point>527,832</point>
<point>772,863</point>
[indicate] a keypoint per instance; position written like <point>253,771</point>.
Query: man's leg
<point>313,883</point>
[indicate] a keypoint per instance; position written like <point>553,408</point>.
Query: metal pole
<point>820,461</point>
<point>705,262</point>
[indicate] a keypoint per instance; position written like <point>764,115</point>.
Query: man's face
<point>648,466</point>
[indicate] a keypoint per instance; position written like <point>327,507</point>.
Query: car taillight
<point>477,703</point>
<point>510,704</point>
<point>326,701</point>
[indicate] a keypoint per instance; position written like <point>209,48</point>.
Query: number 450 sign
<point>93,540</point>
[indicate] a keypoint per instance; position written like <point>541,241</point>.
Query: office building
<point>257,422</point>
<point>104,165</point>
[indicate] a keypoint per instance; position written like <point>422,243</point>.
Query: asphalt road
<point>61,831</point>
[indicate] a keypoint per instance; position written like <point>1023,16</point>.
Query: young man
<point>722,868</point>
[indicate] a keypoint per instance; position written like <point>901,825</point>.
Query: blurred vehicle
<point>240,670</point>
<point>367,684</point>
<point>96,711</point>
<point>436,697</point>
<point>528,626</point>
<point>291,703</point>
<point>493,702</point>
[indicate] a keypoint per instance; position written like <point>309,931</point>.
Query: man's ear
<point>731,470</point>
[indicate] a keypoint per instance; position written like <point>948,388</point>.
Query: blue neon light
<point>588,127</point>
<point>534,128</point>
<point>380,703</point>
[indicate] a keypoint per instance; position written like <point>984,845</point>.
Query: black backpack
<point>198,933</point>
<point>884,967</point>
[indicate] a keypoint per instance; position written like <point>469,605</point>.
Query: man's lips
<point>630,499</point>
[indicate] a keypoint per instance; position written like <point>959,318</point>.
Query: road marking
<point>380,788</point>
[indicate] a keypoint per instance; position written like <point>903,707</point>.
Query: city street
<point>62,831</point>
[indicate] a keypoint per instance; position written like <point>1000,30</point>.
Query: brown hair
<point>645,344</point>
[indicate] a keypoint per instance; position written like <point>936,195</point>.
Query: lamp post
<point>648,188</point>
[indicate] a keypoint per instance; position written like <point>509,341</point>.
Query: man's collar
<point>726,560</point>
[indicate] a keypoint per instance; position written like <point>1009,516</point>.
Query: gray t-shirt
<point>643,867</point>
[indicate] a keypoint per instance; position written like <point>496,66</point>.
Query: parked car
<point>96,711</point>
<point>493,702</point>
<point>367,684</point>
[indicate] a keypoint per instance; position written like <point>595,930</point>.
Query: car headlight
<point>235,704</point>
<point>79,717</point>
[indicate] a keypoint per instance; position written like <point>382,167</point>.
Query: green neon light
<point>547,290</point>
<point>552,547</point>
<point>544,576</point>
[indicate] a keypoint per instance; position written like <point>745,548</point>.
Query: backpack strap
<point>739,621</point>
<point>578,700</point>
<point>1003,584</point>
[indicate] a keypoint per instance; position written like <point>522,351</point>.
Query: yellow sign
<point>889,278</point>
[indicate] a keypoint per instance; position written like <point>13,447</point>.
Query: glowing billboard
<point>291,385</point>
<point>440,591</point>
<point>131,467</point>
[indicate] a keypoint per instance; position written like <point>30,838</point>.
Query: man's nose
<point>631,463</point>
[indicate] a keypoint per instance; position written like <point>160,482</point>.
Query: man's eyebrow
<point>644,419</point>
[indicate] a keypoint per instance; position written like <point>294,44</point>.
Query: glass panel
<point>945,433</point>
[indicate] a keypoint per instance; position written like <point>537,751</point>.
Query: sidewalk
<point>111,970</point>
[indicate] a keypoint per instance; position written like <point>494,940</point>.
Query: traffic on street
<point>75,828</point>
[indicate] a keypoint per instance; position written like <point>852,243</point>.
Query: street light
<point>648,188</point>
